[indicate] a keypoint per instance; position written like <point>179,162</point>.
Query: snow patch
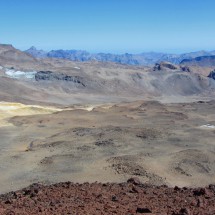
<point>76,67</point>
<point>20,74</point>
<point>208,126</point>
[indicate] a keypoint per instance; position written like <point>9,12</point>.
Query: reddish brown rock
<point>107,199</point>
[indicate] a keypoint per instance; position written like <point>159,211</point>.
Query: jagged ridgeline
<point>146,59</point>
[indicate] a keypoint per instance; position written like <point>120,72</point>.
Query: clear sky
<point>115,26</point>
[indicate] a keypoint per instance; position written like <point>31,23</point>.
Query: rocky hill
<point>12,57</point>
<point>9,54</point>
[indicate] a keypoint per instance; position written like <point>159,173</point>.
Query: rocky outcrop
<point>164,66</point>
<point>185,68</point>
<point>53,76</point>
<point>212,75</point>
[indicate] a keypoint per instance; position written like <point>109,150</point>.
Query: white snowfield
<point>20,74</point>
<point>208,126</point>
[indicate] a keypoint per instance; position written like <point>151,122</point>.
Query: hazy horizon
<point>125,26</point>
<point>96,52</point>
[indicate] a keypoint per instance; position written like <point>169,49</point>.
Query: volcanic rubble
<point>127,198</point>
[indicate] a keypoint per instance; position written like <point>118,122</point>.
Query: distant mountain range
<point>203,61</point>
<point>146,59</point>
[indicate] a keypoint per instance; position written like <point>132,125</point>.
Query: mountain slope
<point>63,82</point>
<point>203,61</point>
<point>12,57</point>
<point>94,82</point>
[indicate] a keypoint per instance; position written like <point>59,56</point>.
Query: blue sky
<point>115,26</point>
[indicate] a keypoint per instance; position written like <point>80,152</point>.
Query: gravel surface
<point>127,198</point>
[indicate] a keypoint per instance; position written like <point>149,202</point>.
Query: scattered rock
<point>200,192</point>
<point>183,211</point>
<point>134,180</point>
<point>143,210</point>
<point>105,143</point>
<point>212,187</point>
<point>165,65</point>
<point>114,199</point>
<point>8,202</point>
<point>185,68</point>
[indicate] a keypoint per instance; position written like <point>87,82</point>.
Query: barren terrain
<point>171,144</point>
<point>86,122</point>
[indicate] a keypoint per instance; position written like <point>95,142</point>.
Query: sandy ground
<point>8,110</point>
<point>170,144</point>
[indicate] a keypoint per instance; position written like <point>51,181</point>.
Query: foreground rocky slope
<point>96,198</point>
